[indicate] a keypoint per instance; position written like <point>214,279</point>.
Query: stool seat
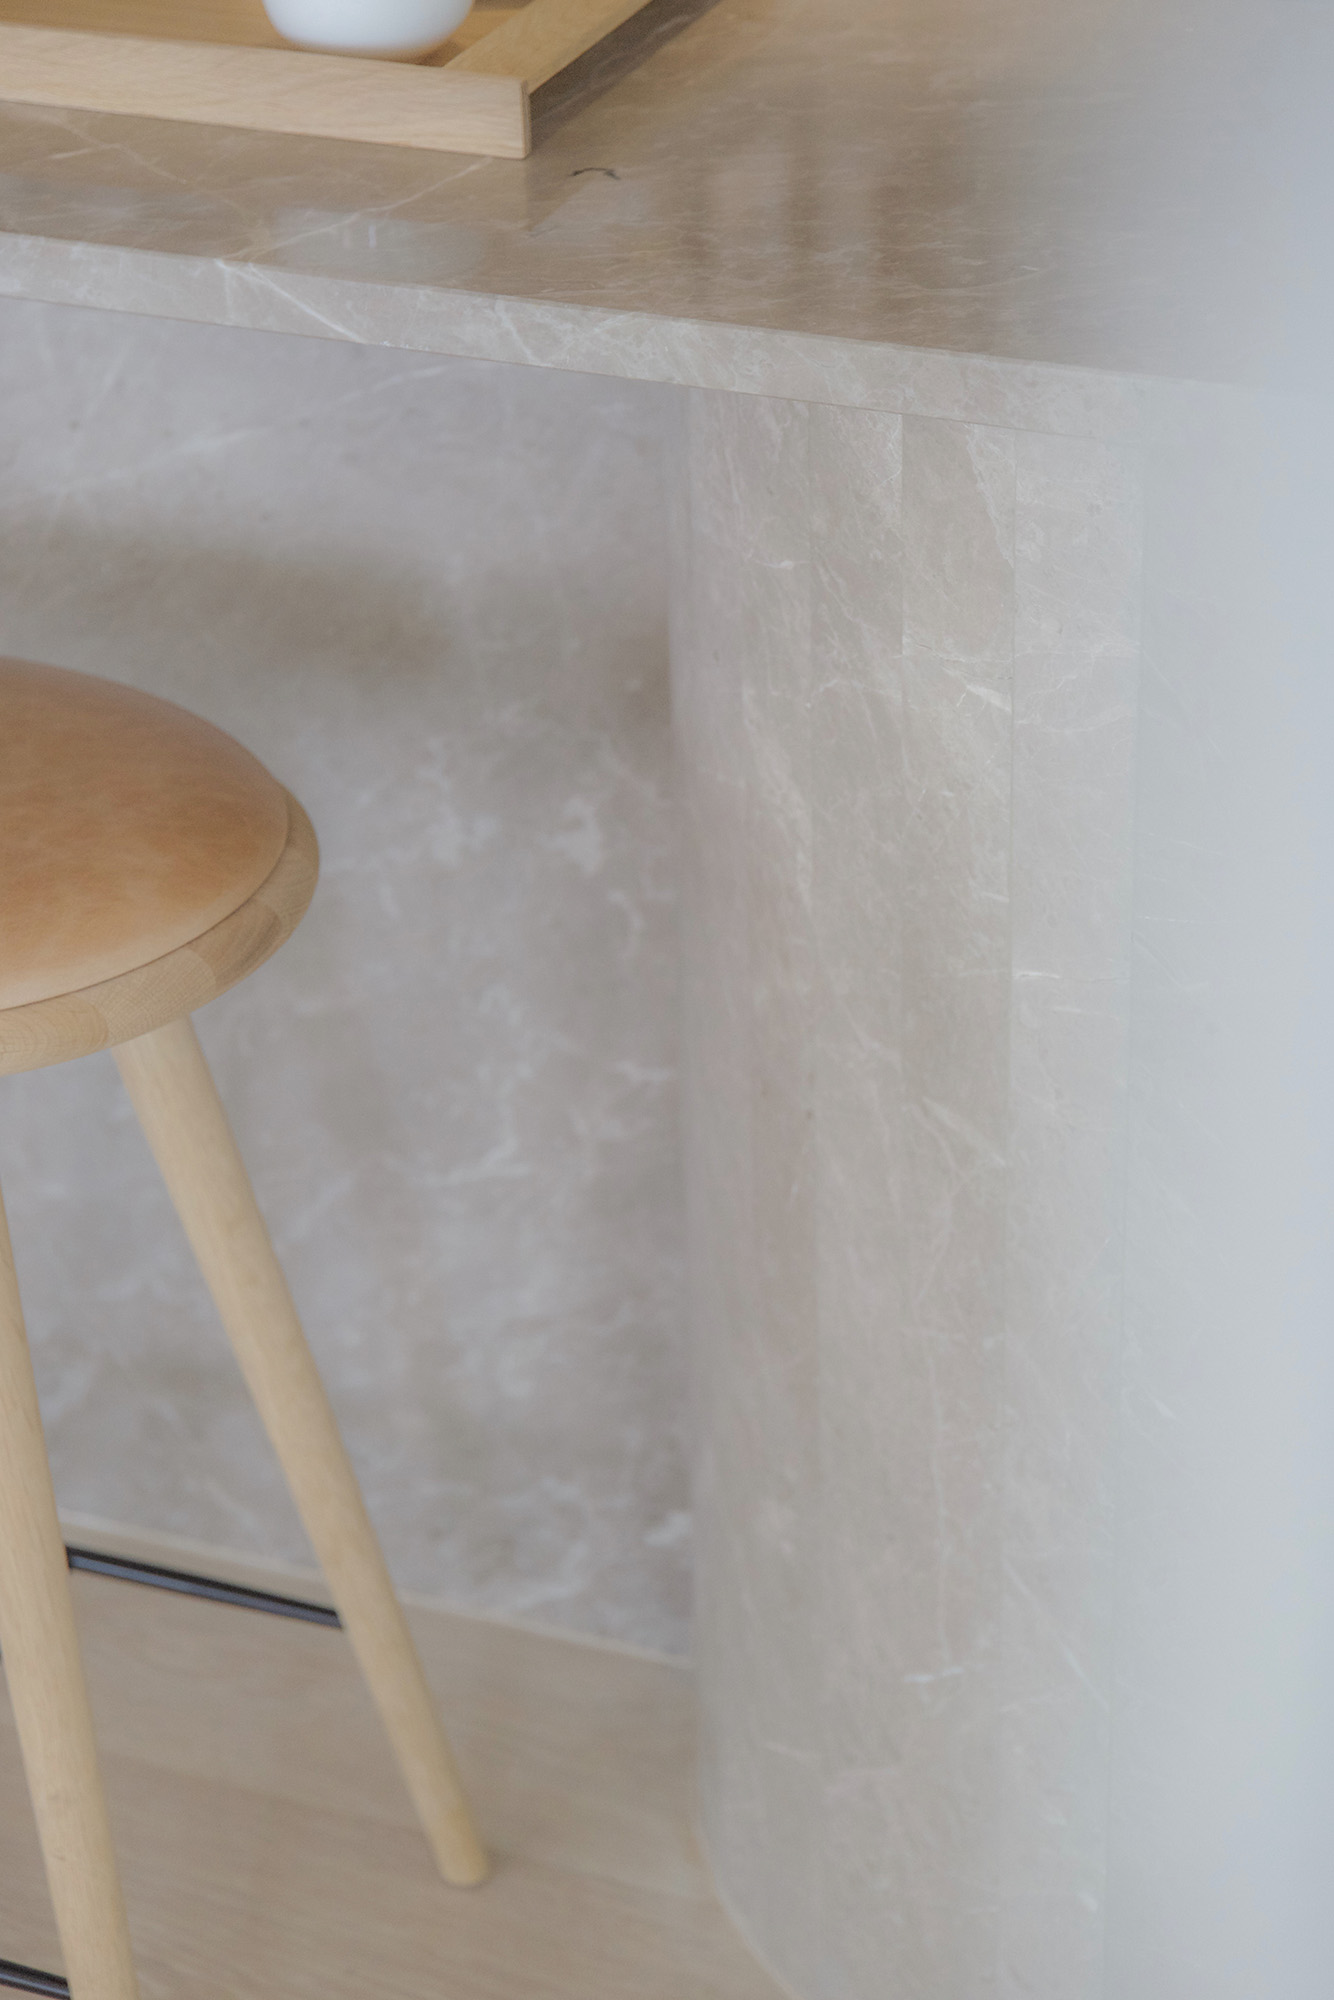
<point>147,863</point>
<point>127,828</point>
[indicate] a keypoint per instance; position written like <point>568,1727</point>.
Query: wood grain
<point>212,63</point>
<point>46,1685</point>
<point>543,38</point>
<point>226,23</point>
<point>186,1127</point>
<point>134,1003</point>
<point>241,23</point>
<point>267,90</point>
<point>267,1852</point>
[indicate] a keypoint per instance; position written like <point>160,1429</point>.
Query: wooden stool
<point>148,862</point>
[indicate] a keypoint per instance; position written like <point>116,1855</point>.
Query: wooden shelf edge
<point>544,38</point>
<point>268,90</point>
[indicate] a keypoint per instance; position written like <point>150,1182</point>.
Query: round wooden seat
<point>147,862</point>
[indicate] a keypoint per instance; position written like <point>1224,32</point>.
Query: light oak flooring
<point>269,1851</point>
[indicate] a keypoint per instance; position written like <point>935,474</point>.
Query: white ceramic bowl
<point>399,28</point>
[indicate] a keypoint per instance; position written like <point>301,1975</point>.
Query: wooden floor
<point>269,1851</point>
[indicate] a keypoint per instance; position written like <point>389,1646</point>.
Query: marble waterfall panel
<point>1077,618</point>
<point>905,658</point>
<point>742,701</point>
<point>432,596</point>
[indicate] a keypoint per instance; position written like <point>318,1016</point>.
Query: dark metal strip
<point>241,1596</point>
<point>27,1979</point>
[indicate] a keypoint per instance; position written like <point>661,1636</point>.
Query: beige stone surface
<point>906,669</point>
<point>1007,1114</point>
<point>431,597</point>
<point>1007,824</point>
<point>843,199</point>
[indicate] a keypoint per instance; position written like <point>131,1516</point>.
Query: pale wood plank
<point>268,90</point>
<point>481,22</point>
<point>240,22</point>
<point>543,38</point>
<point>263,1854</point>
<point>228,23</point>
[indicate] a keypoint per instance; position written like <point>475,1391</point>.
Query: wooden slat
<point>482,21</point>
<point>542,38</point>
<point>268,90</point>
<point>242,23</point>
<point>228,23</point>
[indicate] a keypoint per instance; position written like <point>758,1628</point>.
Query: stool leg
<point>41,1660</point>
<point>183,1120</point>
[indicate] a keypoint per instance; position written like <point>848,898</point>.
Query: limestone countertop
<point>798,197</point>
